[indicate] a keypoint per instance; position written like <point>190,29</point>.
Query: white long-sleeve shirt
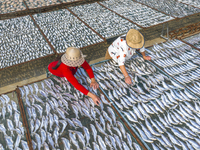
<point>120,51</point>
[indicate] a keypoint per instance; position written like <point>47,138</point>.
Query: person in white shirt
<point>123,49</point>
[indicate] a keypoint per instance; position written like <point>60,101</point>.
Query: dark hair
<point>58,58</point>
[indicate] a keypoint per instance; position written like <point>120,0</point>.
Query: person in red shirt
<point>67,66</point>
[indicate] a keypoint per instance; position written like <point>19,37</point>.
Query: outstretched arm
<point>125,73</point>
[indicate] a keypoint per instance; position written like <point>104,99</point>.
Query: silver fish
<point>38,140</point>
<point>173,139</point>
<point>9,142</point>
<point>43,136</point>
<point>17,141</point>
<point>125,146</point>
<point>77,122</point>
<point>34,115</point>
<point>50,140</point>
<point>87,135</point>
<point>46,147</point>
<point>94,132</point>
<point>130,117</point>
<point>51,121</point>
<point>143,135</point>
<point>64,124</point>
<point>107,142</point>
<point>86,113</point>
<point>56,119</point>
<point>194,144</point>
<point>113,142</point>
<point>3,129</point>
<point>118,142</point>
<point>95,146</point>
<point>100,129</point>
<point>10,126</point>
<point>66,143</point>
<point>71,123</point>
<point>3,112</point>
<point>16,118</point>
<point>24,145</point>
<point>105,115</point>
<point>137,112</point>
<point>121,128</point>
<point>55,136</point>
<point>146,131</point>
<point>151,129</point>
<point>9,107</point>
<point>37,125</point>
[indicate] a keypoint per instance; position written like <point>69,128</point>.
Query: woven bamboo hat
<point>134,39</point>
<point>73,57</point>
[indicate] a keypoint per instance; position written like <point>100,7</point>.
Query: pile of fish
<point>65,30</point>
<point>164,113</point>
<point>61,117</point>
<point>21,41</point>
<point>195,3</point>
<point>136,12</point>
<point>8,6</point>
<point>194,40</point>
<point>102,20</point>
<point>12,132</point>
<point>40,3</point>
<point>177,59</point>
<point>171,7</point>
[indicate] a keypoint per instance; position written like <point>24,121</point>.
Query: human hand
<point>94,85</point>
<point>128,80</point>
<point>95,98</point>
<point>147,57</point>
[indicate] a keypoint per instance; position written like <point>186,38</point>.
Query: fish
<point>151,129</point>
<point>94,132</point>
<point>87,135</point>
<point>142,134</point>
<point>50,140</point>
<point>64,124</point>
<point>43,136</point>
<point>38,140</point>
<point>3,129</point>
<point>95,146</point>
<point>113,142</point>
<point>3,112</point>
<point>10,126</point>
<point>37,125</point>
<point>24,144</point>
<point>16,118</point>
<point>100,129</point>
<point>55,135</point>
<point>77,122</point>
<point>105,115</point>
<point>66,143</point>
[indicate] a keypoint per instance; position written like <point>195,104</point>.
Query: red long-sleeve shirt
<point>68,72</point>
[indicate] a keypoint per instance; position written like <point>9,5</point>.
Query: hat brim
<point>72,63</point>
<point>134,45</point>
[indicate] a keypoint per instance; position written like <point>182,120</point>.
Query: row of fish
<point>157,117</point>
<point>12,132</point>
<point>184,67</point>
<point>171,7</point>
<point>8,6</point>
<point>102,20</point>
<point>194,40</point>
<point>21,41</point>
<point>58,112</point>
<point>64,30</point>
<point>194,3</point>
<point>140,14</point>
